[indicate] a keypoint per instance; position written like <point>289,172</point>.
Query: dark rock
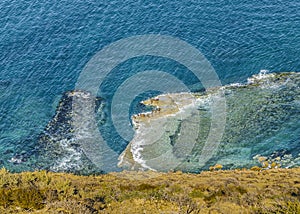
<point>8,151</point>
<point>59,149</point>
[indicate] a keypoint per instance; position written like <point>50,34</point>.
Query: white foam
<point>263,74</point>
<point>136,146</point>
<point>236,84</point>
<point>70,160</point>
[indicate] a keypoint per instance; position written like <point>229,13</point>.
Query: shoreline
<point>260,113</point>
<point>175,112</point>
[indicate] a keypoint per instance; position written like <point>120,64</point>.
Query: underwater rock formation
<point>236,126</point>
<point>262,118</point>
<point>60,148</point>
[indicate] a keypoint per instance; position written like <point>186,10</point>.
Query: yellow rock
<point>275,165</point>
<point>255,168</point>
<point>277,158</point>
<point>218,166</point>
<point>265,164</point>
<point>215,167</point>
<point>262,159</point>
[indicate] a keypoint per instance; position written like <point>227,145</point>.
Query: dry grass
<point>236,191</point>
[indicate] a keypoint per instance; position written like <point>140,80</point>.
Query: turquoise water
<point>45,45</point>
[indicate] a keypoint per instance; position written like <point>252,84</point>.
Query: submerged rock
<point>235,126</point>
<point>60,146</point>
<point>262,118</point>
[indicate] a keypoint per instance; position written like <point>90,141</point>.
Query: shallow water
<point>262,120</point>
<point>45,45</point>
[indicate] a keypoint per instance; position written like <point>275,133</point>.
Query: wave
<point>262,123</point>
<point>262,120</point>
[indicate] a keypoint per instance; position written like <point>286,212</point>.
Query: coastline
<point>174,133</point>
<point>262,121</point>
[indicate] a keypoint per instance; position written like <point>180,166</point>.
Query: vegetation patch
<point>217,191</point>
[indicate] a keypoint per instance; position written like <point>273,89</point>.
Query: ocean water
<point>45,46</point>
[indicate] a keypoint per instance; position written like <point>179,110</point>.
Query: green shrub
<point>27,198</point>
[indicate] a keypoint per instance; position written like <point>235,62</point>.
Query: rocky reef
<point>59,145</point>
<point>237,126</point>
<point>262,119</point>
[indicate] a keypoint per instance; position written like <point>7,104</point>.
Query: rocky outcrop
<point>60,146</point>
<point>262,118</point>
<point>235,126</point>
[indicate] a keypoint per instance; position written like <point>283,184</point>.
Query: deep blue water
<point>45,45</point>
